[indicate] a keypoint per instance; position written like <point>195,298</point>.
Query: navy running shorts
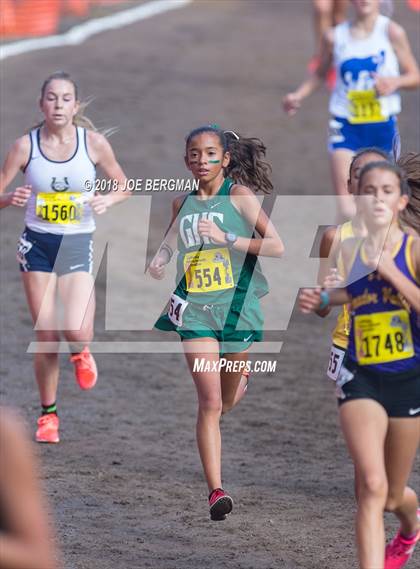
<point>51,253</point>
<point>398,393</point>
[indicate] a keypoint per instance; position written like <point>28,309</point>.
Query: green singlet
<point>214,280</point>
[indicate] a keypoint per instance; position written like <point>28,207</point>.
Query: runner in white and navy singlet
<point>55,251</point>
<point>58,205</point>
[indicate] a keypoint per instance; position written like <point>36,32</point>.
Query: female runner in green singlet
<point>215,307</point>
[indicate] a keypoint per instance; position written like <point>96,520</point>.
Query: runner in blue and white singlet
<point>373,60</point>
<point>355,103</point>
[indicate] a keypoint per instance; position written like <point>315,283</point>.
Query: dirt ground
<point>125,484</point>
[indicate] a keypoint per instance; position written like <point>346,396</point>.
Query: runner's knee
<point>83,335</point>
<point>210,404</point>
<point>372,486</point>
<point>227,406</point>
<point>393,500</point>
<point>47,336</point>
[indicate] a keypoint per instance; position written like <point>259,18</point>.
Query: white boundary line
<point>146,347</point>
<point>79,34</point>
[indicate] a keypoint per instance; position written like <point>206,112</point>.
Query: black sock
<point>408,537</point>
<point>49,409</point>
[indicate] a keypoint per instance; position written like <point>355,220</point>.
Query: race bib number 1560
<point>65,208</point>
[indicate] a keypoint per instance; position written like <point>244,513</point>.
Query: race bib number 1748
<point>383,337</point>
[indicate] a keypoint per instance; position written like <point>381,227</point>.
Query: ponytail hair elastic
<point>231,132</point>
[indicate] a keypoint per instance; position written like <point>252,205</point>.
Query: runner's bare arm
<point>245,201</point>
<point>292,101</point>
<point>328,251</point>
<point>16,160</point>
<point>26,544</point>
<point>168,246</point>
<point>328,255</point>
<point>102,155</point>
<point>270,243</point>
<point>171,235</point>
<point>410,75</point>
<point>311,299</point>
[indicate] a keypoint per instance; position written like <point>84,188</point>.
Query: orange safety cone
<point>414,5</point>
<point>79,8</point>
<point>40,18</point>
<point>7,18</point>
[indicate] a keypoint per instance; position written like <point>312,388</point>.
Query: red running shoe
<point>47,431</point>
<point>220,504</point>
<point>399,551</point>
<point>85,369</point>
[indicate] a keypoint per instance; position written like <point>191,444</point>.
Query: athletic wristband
<point>168,250</point>
<point>325,300</point>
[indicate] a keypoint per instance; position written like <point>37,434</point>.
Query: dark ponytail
<point>410,165</point>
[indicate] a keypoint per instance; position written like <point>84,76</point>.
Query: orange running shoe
<point>331,77</point>
<point>47,431</point>
<point>85,369</point>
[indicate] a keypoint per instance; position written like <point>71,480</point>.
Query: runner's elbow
<point>279,249</point>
